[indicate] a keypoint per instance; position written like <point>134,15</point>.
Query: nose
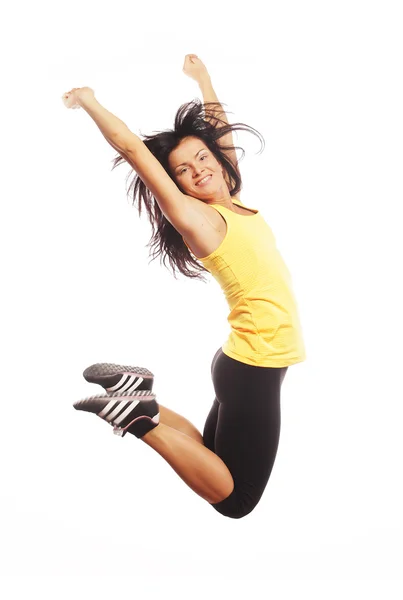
<point>197,170</point>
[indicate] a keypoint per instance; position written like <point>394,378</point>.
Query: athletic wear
<point>119,378</point>
<point>133,412</point>
<point>243,428</point>
<point>243,425</point>
<point>265,326</point>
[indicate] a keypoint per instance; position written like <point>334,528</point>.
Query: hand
<point>194,68</point>
<point>73,98</point>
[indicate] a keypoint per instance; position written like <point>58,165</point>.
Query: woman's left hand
<point>73,98</point>
<point>193,67</point>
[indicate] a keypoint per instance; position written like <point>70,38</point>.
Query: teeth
<point>203,180</point>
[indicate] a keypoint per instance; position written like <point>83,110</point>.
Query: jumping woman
<point>189,182</point>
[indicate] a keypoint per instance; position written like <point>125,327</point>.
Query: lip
<point>209,176</point>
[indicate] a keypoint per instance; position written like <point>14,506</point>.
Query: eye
<point>184,169</point>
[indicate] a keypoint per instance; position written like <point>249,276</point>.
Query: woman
<point>189,181</point>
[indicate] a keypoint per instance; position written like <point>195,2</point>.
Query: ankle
<point>143,426</point>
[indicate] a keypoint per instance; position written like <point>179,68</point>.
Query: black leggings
<point>243,428</point>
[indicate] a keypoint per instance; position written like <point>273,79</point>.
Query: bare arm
<point>209,95</point>
<point>176,207</point>
<point>111,127</point>
<point>195,69</point>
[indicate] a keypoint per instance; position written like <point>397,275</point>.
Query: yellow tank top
<point>264,320</point>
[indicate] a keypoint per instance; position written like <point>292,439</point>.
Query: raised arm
<point>194,68</point>
<point>176,206</point>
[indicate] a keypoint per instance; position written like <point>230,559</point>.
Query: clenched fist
<point>194,68</point>
<point>72,99</point>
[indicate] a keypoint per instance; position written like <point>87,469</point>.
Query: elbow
<point>128,142</point>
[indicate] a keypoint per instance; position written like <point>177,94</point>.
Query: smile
<point>204,180</point>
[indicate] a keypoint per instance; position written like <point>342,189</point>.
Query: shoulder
<point>202,217</point>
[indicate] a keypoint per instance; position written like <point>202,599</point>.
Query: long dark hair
<point>190,120</point>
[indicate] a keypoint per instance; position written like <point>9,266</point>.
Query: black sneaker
<point>118,378</point>
<point>136,413</point>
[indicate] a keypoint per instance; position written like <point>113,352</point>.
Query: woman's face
<point>190,163</point>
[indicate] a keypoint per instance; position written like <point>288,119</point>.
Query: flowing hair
<point>199,120</point>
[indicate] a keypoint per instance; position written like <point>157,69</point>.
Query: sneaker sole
<point>119,378</point>
<point>116,408</point>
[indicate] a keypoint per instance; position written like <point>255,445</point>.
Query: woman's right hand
<point>74,98</point>
<point>194,68</point>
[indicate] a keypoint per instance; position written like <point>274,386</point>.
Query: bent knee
<point>236,505</point>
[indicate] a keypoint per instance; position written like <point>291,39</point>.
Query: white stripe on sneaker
<point>130,382</point>
<point>107,408</point>
<point>117,410</point>
<point>135,385</point>
<point>116,387</point>
<point>126,412</point>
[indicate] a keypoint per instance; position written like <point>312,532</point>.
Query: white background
<point>85,514</point>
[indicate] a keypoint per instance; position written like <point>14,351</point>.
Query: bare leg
<point>202,470</point>
<point>176,421</point>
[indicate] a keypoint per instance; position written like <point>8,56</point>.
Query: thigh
<point>249,419</point>
<point>210,427</point>
<point>234,381</point>
<point>211,421</point>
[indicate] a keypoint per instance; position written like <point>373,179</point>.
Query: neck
<point>224,200</point>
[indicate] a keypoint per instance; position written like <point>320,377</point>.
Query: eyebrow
<point>194,156</point>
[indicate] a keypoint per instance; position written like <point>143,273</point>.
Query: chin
<point>194,194</point>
